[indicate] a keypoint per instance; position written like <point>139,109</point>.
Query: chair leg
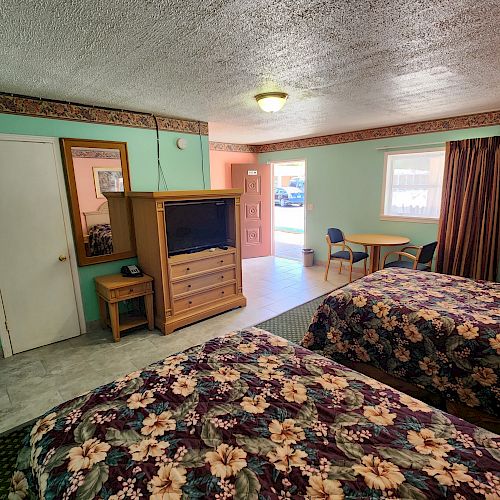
<point>327,267</point>
<point>340,268</point>
<point>365,266</point>
<point>350,273</point>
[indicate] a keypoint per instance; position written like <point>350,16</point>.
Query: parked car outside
<point>297,182</point>
<point>288,196</point>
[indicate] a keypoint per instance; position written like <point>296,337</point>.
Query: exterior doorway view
<point>289,198</point>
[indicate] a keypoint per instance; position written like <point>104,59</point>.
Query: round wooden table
<point>375,241</point>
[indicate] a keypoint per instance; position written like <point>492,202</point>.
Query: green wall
<point>183,169</point>
<point>344,183</point>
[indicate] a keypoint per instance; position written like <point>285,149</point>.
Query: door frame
<point>272,163</point>
<point>63,197</point>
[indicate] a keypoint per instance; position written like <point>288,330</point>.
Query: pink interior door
<point>255,181</point>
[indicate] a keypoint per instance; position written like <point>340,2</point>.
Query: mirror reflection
<point>98,179</point>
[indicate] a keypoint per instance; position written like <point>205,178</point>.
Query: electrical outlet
<point>310,207</point>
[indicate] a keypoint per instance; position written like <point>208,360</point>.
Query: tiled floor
<point>34,381</point>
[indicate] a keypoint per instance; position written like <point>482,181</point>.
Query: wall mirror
<point>97,177</point>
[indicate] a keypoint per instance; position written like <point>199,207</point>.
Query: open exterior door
<point>255,181</point>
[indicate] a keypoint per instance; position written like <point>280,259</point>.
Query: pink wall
<point>220,167</point>
<point>85,187</point>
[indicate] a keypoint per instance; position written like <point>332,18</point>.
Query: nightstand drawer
<point>198,266</point>
<point>131,290</point>
<point>193,284</point>
<point>204,298</point>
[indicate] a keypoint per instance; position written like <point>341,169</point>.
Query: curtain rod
<point>412,145</point>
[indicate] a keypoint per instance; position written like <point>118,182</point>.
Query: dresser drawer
<point>192,284</point>
<point>204,298</point>
<point>197,266</point>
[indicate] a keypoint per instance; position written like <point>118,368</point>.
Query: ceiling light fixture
<point>270,102</point>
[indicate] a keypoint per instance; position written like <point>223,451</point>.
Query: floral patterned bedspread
<point>100,239</point>
<point>438,331</point>
<point>250,416</point>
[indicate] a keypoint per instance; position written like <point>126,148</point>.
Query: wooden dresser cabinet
<point>189,287</point>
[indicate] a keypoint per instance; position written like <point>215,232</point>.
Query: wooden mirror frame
<point>66,145</point>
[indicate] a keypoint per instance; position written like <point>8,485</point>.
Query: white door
<point>36,282</point>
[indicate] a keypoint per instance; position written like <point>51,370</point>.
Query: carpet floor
<point>290,325</point>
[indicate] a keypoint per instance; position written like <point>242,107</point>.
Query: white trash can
<point>308,256</point>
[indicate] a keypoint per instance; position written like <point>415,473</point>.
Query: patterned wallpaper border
<point>440,125</point>
<point>425,127</point>
<point>107,154</point>
<point>30,106</point>
<point>232,148</point>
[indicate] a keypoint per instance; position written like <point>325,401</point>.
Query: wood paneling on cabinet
<point>193,286</point>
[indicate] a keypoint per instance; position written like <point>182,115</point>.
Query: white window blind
<point>413,184</point>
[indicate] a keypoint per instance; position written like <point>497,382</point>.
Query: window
<point>413,185</point>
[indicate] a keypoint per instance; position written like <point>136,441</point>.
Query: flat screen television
<point>193,226</point>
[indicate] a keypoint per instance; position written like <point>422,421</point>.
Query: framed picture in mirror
<point>107,180</point>
<point>97,176</point>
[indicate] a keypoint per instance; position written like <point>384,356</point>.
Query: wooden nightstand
<point>115,288</point>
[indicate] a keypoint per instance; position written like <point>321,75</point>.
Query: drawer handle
<point>188,269</point>
<point>222,292</point>
<point>189,286</point>
<point>190,302</point>
<point>222,261</point>
<point>131,290</point>
<point>222,277</point>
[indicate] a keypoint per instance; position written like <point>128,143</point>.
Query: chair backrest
<point>335,235</point>
<point>427,252</point>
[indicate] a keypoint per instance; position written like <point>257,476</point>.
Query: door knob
<point>62,258</point>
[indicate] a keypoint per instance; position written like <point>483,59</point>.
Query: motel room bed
<point>100,239</point>
<point>434,331</point>
<point>249,415</point>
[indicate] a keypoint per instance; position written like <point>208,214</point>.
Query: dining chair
<point>335,237</point>
<point>421,261</point>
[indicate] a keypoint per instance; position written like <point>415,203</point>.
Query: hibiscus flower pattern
<point>211,426</point>
<point>433,330</point>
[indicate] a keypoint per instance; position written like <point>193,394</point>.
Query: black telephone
<point>131,271</point>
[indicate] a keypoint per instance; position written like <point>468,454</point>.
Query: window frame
<point>384,216</point>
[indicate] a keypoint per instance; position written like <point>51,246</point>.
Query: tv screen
<point>196,225</point>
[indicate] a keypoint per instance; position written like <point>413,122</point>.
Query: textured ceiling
<point>347,65</point>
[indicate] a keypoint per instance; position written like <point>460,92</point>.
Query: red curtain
<point>469,228</point>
